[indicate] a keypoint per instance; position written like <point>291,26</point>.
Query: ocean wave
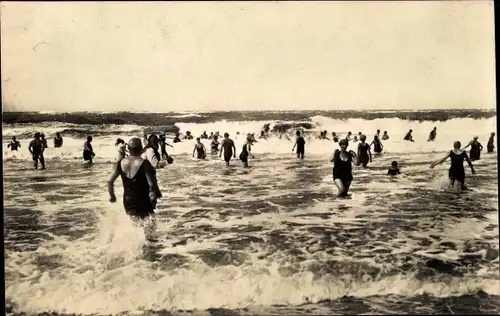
<point>169,119</point>
<point>463,129</point>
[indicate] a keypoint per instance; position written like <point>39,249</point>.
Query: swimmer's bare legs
<point>42,161</point>
<point>342,189</point>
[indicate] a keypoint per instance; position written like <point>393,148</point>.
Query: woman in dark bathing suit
<point>491,143</point>
<point>140,189</point>
<point>200,149</point>
<point>88,152</point>
<point>377,145</point>
<point>456,172</point>
<point>364,153</point>
<point>245,152</point>
<point>342,167</point>
<point>475,149</point>
<point>215,145</point>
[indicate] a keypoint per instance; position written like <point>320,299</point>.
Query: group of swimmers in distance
<point>138,160</point>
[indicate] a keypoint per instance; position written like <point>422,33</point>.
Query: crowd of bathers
<point>152,150</point>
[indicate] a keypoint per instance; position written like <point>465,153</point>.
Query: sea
<point>271,239</point>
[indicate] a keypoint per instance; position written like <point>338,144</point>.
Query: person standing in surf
<point>215,145</point>
<point>36,149</point>
<point>246,151</point>
<point>364,152</point>
<point>88,152</point>
<point>200,149</point>
<point>300,143</point>
<point>58,141</point>
<point>393,170</point>
<point>335,137</point>
<point>432,135</point>
<point>177,138</point>
<point>456,171</point>
<point>342,167</point>
<point>140,189</point>
<point>14,144</point>
<point>151,153</point>
<point>475,149</point>
<point>490,147</point>
<point>408,136</point>
<point>44,141</point>
<point>385,136</point>
<point>377,145</point>
<point>228,148</point>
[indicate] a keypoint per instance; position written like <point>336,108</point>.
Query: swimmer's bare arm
<point>466,146</point>
<point>111,182</point>
<point>169,145</point>
<point>295,145</point>
<point>30,147</point>
<point>369,154</point>
<point>469,162</point>
<point>153,185</point>
<point>234,149</point>
<point>440,161</point>
<point>332,158</point>
<point>355,158</point>
<point>194,149</point>
<point>222,148</point>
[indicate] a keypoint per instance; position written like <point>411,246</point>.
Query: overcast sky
<point>201,56</point>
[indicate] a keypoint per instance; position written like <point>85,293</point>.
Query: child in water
<point>393,170</point>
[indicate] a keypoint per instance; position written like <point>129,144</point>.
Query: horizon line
<point>215,111</point>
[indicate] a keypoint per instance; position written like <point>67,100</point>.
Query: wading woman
<point>457,171</point>
<point>342,167</point>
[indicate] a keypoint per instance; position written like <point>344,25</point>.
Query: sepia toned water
<point>271,239</point>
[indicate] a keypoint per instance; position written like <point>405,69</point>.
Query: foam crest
<point>462,129</point>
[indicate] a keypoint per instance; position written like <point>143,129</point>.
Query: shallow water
<point>270,239</point>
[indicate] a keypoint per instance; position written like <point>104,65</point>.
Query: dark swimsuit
<point>87,154</point>
<point>490,145</point>
<point>300,147</point>
<point>37,150</point>
<point>393,171</point>
<point>201,152</point>
<point>342,169</point>
<point>244,154</point>
<point>215,146</point>
<point>228,154</point>
<point>14,145</point>
<point>457,171</point>
<point>475,152</point>
<point>163,146</point>
<point>57,142</point>
<point>364,158</point>
<point>432,136</point>
<point>136,192</point>
<point>377,146</point>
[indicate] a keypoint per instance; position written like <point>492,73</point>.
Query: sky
<point>208,56</point>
